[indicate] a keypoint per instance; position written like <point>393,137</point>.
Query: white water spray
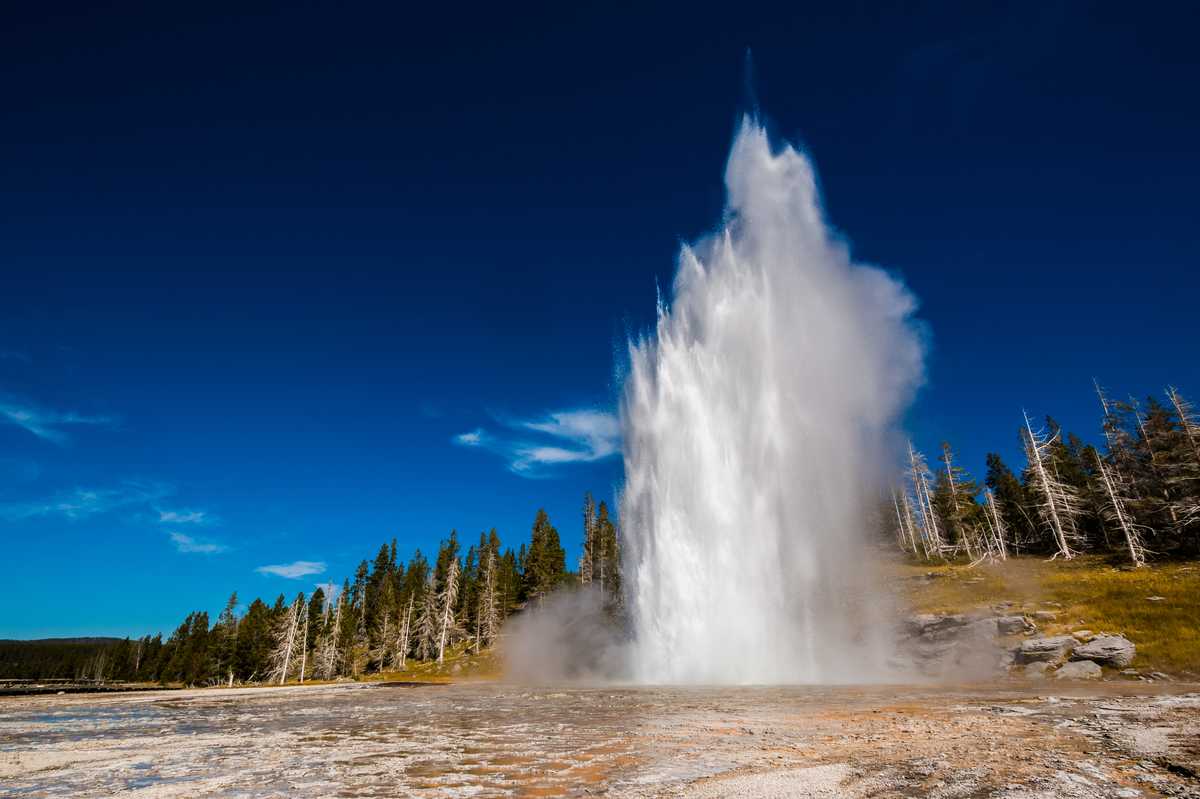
<point>756,423</point>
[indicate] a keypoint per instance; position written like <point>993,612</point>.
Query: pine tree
<point>607,568</point>
<point>545,561</point>
<point>587,557</point>
<point>954,503</point>
<point>1013,505</point>
<point>224,642</point>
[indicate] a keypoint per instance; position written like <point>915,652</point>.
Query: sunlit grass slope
<point>1088,593</point>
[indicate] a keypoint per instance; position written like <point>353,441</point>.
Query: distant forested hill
<point>49,658</point>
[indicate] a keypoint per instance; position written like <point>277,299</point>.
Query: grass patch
<point>461,663</point>
<point>1087,593</point>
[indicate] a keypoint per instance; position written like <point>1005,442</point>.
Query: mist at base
<point>570,636</point>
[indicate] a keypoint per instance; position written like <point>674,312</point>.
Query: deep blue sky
<point>261,264</point>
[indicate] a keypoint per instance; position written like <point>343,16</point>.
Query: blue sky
<point>279,285</point>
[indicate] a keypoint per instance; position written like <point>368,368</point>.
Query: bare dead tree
<point>488,617</point>
<point>1186,476</point>
<point>285,642</point>
<point>1117,513</point>
<point>448,599</point>
<point>996,527</point>
<point>1187,420</point>
<point>325,665</point>
<point>904,521</point>
<point>1058,504</point>
<point>403,641</point>
<point>304,650</point>
<point>427,622</point>
<point>919,474</point>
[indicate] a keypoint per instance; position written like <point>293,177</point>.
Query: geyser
<point>756,422</point>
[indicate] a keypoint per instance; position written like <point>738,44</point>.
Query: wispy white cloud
<point>197,517</point>
<point>47,424</point>
<point>294,570</point>
<point>185,543</point>
<point>474,438</point>
<point>572,436</point>
<point>80,503</point>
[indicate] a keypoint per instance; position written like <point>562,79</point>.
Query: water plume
<point>756,423</point>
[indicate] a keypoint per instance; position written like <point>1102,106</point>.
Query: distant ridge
<point>99,639</point>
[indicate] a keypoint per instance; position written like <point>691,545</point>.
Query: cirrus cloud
<point>531,446</point>
<point>81,503</point>
<point>294,570</point>
<point>185,543</point>
<point>47,424</point>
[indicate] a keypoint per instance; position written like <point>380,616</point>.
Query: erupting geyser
<point>756,424</point>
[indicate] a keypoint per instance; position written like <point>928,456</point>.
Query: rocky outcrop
<point>1109,650</point>
<point>978,646</point>
<point>1046,648</point>
<point>953,645</point>
<point>935,626</point>
<point>1078,670</point>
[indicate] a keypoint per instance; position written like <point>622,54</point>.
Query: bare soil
<point>1017,741</point>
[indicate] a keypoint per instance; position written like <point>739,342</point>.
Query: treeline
<point>390,613</point>
<point>1136,494</point>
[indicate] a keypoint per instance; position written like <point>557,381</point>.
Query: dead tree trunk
<point>919,472</point>
<point>449,597</point>
<point>1120,515</point>
<point>1055,505</point>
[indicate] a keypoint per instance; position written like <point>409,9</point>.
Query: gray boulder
<point>1078,670</point>
<point>1110,650</point>
<point>1049,648</point>
<point>1036,671</point>
<point>1007,625</point>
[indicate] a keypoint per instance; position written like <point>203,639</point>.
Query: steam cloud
<point>755,424</point>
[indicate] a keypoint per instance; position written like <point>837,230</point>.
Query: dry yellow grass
<point>461,663</point>
<point>1087,592</point>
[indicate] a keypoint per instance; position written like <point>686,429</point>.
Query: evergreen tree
<point>224,641</point>
<point>954,502</point>
<point>545,561</point>
<point>606,567</point>
<point>1013,505</point>
<point>587,558</point>
<point>253,642</point>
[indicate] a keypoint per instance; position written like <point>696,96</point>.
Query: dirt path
<point>1106,740</point>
